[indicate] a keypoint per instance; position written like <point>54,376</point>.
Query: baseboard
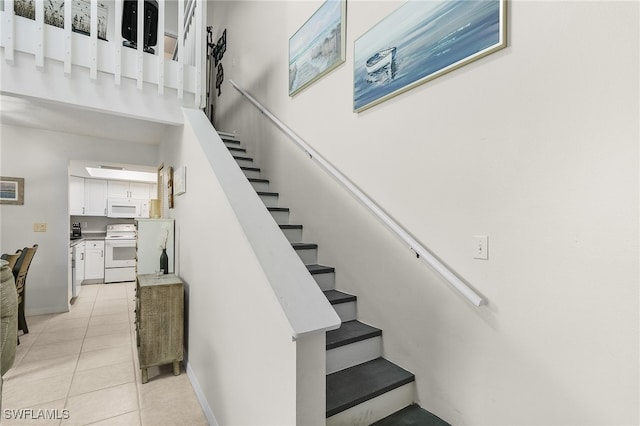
<point>198,390</point>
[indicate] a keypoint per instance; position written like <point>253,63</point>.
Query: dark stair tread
<point>315,268</point>
<point>258,180</point>
<point>336,297</point>
<point>350,332</point>
<point>289,226</point>
<point>250,169</point>
<point>267,193</point>
<point>236,157</point>
<point>352,386</point>
<point>411,415</point>
<point>234,149</point>
<point>278,209</point>
<point>235,141</point>
<point>304,246</point>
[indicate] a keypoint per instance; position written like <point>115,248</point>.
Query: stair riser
<point>281,218</point>
<point>375,409</point>
<point>326,281</point>
<point>353,354</point>
<point>293,235</point>
<point>260,186</point>
<point>244,163</point>
<point>237,151</point>
<point>308,256</point>
<point>252,174</point>
<point>269,200</point>
<point>346,311</point>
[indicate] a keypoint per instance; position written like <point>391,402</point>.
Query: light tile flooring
<point>83,363</point>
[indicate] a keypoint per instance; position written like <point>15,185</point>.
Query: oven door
<point>119,253</point>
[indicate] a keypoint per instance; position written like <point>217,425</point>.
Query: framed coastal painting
<point>11,190</point>
<point>81,18</point>
<point>318,46</point>
<point>423,40</point>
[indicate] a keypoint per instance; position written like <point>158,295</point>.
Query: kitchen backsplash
<point>89,224</point>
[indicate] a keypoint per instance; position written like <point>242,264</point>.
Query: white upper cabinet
<point>139,190</point>
<point>76,196</point>
<point>124,189</point>
<point>89,197</point>
<point>95,197</point>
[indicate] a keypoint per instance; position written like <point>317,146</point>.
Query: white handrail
<point>420,251</point>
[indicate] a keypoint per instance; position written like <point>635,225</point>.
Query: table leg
<point>145,375</point>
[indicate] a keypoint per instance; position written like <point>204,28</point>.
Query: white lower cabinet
<point>94,260</point>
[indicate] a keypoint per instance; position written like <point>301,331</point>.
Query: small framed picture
<point>11,190</point>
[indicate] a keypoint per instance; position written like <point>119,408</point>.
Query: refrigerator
<point>153,234</point>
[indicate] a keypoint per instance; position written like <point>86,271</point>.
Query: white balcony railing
<point>53,30</point>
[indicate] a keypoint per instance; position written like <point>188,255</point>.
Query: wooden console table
<point>159,321</point>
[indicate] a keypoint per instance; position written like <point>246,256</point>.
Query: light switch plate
<point>481,247</point>
<point>39,227</point>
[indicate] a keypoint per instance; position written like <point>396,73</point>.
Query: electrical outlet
<point>39,227</point>
<point>481,247</point>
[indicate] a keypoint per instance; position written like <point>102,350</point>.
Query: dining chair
<point>21,281</point>
<point>13,261</point>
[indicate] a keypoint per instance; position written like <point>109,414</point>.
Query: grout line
<point>134,349</point>
<point>75,368</point>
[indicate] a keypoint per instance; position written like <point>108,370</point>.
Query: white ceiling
<point>58,117</point>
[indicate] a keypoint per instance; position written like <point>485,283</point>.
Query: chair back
<point>14,261</point>
<point>21,278</point>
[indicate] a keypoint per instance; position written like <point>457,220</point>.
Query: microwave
<point>127,208</point>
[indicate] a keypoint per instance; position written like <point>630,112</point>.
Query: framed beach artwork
<point>53,11</point>
<point>318,46</point>
<point>11,190</point>
<point>423,40</point>
<point>81,18</point>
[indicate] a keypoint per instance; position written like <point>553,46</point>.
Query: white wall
<point>239,344</point>
<point>42,159</point>
<point>535,146</point>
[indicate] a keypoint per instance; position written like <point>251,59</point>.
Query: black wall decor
<point>130,24</point>
<point>216,52</point>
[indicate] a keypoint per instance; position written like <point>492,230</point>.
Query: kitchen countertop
<point>88,236</point>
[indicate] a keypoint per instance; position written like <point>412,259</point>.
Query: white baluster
<point>117,39</point>
<point>39,34</point>
<point>9,31</point>
<point>67,37</point>
<point>181,48</point>
<point>140,41</point>
<point>93,35</point>
<point>161,47</point>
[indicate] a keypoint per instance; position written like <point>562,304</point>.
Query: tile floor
<point>83,365</point>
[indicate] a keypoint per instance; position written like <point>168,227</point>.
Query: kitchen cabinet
<point>95,197</point>
<point>94,260</point>
<point>78,267</point>
<point>76,196</point>
<point>70,278</point>
<point>125,189</point>
<point>159,321</point>
<point>89,197</point>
